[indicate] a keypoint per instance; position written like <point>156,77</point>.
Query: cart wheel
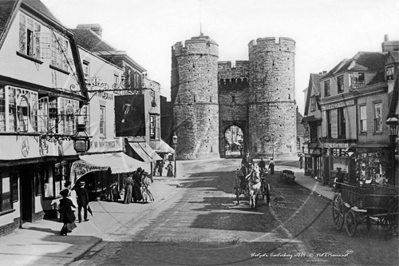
<point>351,222</point>
<point>338,212</point>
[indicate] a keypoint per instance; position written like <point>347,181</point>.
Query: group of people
<point>159,167</point>
<point>72,199</point>
<point>137,187</point>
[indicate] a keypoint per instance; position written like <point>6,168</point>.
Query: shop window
<point>23,113</point>
<point>154,126</point>
<point>327,88</point>
<point>363,119</point>
<point>377,117</point>
<point>8,188</point>
<point>48,182</point>
<point>38,174</point>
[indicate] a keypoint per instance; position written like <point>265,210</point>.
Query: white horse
<point>254,186</point>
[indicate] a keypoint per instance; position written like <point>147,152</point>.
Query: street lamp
<point>174,139</point>
<point>392,122</point>
<point>81,141</point>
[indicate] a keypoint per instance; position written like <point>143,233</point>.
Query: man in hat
<point>83,201</point>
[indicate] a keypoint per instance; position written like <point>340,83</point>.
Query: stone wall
<point>195,97</point>
<point>257,95</point>
<point>272,108</point>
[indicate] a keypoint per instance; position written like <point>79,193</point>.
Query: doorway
<point>26,188</point>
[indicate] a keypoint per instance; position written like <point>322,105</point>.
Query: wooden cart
<point>368,204</point>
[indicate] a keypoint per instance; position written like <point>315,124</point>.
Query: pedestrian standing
<point>68,216</point>
<point>271,166</point>
<point>160,168</point>
<point>128,189</point>
<point>170,169</point>
<point>137,196</point>
<point>300,161</point>
<point>83,201</point>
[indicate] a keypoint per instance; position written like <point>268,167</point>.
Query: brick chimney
<point>94,27</point>
<point>388,45</point>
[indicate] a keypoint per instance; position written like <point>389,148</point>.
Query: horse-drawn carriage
<point>252,186</point>
<point>369,204</point>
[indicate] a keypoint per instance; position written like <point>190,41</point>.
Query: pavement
<point>40,243</point>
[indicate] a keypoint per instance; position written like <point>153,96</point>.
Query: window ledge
<point>378,133</point>
<point>7,212</point>
<point>59,69</point>
<point>30,58</point>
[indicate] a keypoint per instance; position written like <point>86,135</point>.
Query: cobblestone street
<point>202,225</point>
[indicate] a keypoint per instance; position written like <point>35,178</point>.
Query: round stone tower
<point>272,111</point>
<point>194,93</point>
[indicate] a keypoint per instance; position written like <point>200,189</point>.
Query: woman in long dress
<point>128,190</point>
<point>170,169</point>
<point>137,196</point>
<point>68,217</point>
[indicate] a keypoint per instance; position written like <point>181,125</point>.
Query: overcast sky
<point>325,31</point>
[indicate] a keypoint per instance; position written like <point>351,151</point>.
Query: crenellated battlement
<point>199,45</point>
<point>267,44</point>
<point>229,70</point>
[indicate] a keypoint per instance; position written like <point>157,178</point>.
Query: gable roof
<point>362,61</point>
<point>41,8</point>
<point>7,8</point>
<point>313,89</point>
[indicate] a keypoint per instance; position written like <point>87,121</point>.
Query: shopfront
<point>100,170</point>
<point>334,156</point>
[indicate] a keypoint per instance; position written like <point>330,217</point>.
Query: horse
<point>241,185</point>
<point>254,186</point>
<point>146,181</point>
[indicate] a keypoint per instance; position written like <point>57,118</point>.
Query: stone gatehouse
<point>257,95</point>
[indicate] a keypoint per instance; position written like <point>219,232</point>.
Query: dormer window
<point>340,83</point>
<point>389,73</point>
<point>357,80</point>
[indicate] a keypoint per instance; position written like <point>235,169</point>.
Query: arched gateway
<point>257,95</point>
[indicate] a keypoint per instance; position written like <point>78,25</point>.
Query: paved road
<point>202,225</point>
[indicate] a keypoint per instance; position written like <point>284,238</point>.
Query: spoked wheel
<point>338,211</point>
<point>351,222</point>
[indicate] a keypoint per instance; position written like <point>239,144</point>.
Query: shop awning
<point>150,151</point>
<point>118,162</point>
<point>163,147</point>
<point>140,152</point>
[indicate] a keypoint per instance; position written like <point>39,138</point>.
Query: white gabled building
<point>42,90</point>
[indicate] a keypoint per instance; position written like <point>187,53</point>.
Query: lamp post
<point>393,133</point>
<point>174,139</point>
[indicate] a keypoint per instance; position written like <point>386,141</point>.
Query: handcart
<point>369,204</point>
